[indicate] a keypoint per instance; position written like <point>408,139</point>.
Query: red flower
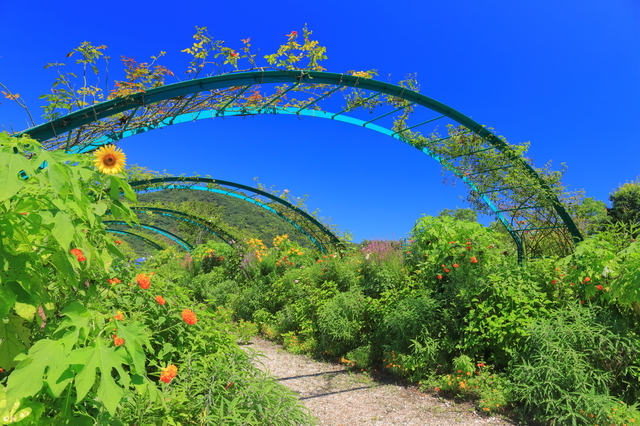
<point>78,254</point>
<point>189,317</point>
<point>439,277</point>
<point>600,287</point>
<point>553,282</point>
<point>160,300</point>
<point>119,315</point>
<point>118,341</point>
<point>455,265</point>
<point>143,281</point>
<point>586,280</point>
<point>437,389</point>
<point>447,270</point>
<point>118,242</point>
<point>168,373</point>
<point>473,259</point>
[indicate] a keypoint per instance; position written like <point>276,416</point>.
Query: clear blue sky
<point>562,74</point>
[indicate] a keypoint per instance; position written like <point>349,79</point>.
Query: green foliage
<point>475,381</point>
<point>468,215</point>
<point>571,363</point>
<point>341,321</point>
<point>625,203</point>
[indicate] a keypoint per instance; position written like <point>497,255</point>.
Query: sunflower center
<point>109,160</point>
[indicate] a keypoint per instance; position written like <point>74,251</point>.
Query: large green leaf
<point>13,340</point>
<point>135,336</point>
<point>105,359</point>
<point>63,229</point>
<point>7,299</point>
<point>78,321</point>
<point>10,180</point>
<point>28,377</point>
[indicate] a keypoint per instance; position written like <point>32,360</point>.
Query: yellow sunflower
<point>109,159</point>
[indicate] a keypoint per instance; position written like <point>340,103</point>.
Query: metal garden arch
<point>532,213</point>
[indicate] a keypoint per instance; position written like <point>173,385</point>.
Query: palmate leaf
<point>135,336</point>
<point>28,377</point>
<point>10,180</point>
<point>79,318</point>
<point>105,359</point>
<point>13,340</point>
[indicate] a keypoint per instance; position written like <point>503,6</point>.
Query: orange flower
<point>439,277</point>
<point>600,287</point>
<point>78,254</point>
<point>553,282</point>
<point>119,315</point>
<point>118,341</point>
<point>189,317</point>
<point>113,281</point>
<point>586,280</point>
<point>143,281</point>
<point>168,373</point>
<point>160,300</point>
<point>473,259</point>
<point>118,242</point>
<point>455,265</point>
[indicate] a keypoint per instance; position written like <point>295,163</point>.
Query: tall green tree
<point>625,203</point>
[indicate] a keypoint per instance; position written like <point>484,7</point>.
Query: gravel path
<point>338,396</point>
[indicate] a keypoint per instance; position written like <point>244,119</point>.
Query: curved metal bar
<point>194,220</point>
<point>211,84</point>
<point>182,243</point>
<point>145,239</point>
<point>183,182</point>
<point>327,115</point>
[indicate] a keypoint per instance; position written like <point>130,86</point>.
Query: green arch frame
<point>85,129</point>
<point>315,231</point>
<point>140,237</point>
<point>182,243</point>
<point>223,235</point>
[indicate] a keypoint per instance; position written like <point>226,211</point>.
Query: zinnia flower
<point>143,281</point>
<point>160,300</point>
<point>78,254</point>
<point>189,317</point>
<point>168,373</point>
<point>109,159</point>
<point>118,341</point>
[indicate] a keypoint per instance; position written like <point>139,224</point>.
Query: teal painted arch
<point>139,237</point>
<point>226,94</point>
<point>310,227</point>
<point>182,243</point>
<point>221,234</point>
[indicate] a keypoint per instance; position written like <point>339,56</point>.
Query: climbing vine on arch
<point>527,201</point>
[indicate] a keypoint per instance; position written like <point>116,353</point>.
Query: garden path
<point>338,396</point>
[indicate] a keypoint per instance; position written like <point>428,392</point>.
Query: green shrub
<point>568,366</point>
<point>341,321</point>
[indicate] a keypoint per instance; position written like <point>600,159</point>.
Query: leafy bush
<point>566,371</point>
<point>340,320</point>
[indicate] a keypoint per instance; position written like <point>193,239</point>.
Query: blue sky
<point>563,74</point>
